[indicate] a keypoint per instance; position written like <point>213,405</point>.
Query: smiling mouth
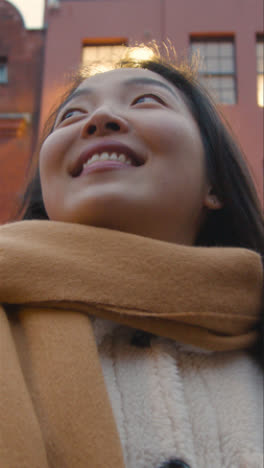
<point>106,162</point>
<point>108,156</point>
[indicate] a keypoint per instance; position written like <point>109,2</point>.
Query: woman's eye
<point>147,98</point>
<point>71,113</point>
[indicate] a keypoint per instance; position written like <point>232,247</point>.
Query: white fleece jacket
<point>173,402</point>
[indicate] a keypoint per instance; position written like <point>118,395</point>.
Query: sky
<point>32,12</point>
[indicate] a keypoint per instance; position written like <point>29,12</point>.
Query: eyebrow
<point>149,81</point>
<point>130,81</point>
<point>74,95</point>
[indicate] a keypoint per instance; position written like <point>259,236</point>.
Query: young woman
<point>132,316</point>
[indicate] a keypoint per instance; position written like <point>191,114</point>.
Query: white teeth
<point>113,156</point>
<point>107,156</point>
<point>122,157</point>
<point>94,158</point>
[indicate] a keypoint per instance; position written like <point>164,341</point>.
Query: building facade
<point>21,58</point>
<point>229,35</point>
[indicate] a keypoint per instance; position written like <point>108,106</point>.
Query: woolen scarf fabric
<point>54,407</point>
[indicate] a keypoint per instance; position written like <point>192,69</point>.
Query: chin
<point>97,218</point>
<point>99,211</point>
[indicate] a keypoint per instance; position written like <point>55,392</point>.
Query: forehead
<point>122,79</point>
<point>123,75</point>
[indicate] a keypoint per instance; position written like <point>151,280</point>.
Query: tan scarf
<point>54,408</point>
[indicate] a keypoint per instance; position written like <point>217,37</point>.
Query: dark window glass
<point>3,70</point>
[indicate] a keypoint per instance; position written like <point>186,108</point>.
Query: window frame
<point>205,75</point>
<point>101,42</point>
<point>259,40</point>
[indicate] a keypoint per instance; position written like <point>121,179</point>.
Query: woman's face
<point>126,154</point>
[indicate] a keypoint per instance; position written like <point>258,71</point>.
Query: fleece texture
<point>55,409</point>
<point>205,408</point>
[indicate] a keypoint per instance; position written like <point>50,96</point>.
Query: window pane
<point>227,65</point>
<point>3,73</point>
<point>102,57</point>
<point>199,46</point>
<point>260,86</point>
<point>213,65</point>
<point>226,49</point>
<point>89,55</point>
<point>196,46</point>
<point>212,85</point>
<point>260,65</point>
<point>227,96</point>
<point>260,57</point>
<point>202,67</point>
<point>212,49</point>
<point>227,82</point>
<point>213,82</point>
<point>222,88</point>
<point>260,47</point>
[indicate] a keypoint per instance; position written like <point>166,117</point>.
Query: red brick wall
<point>21,95</point>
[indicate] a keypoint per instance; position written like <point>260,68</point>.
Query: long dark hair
<point>239,223</point>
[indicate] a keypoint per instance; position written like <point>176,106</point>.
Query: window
<point>217,66</point>
<point>3,70</point>
<point>260,70</point>
<point>13,124</point>
<point>101,54</point>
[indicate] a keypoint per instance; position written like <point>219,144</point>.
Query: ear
<point>211,200</point>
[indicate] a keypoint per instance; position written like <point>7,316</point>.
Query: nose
<point>104,122</point>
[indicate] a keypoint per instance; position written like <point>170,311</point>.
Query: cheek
<point>47,155</point>
<point>178,162</point>
<point>49,163</point>
<point>173,134</point>
<point>52,155</point>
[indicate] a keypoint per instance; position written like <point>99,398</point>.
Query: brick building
<point>228,33</point>
<point>21,58</point>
